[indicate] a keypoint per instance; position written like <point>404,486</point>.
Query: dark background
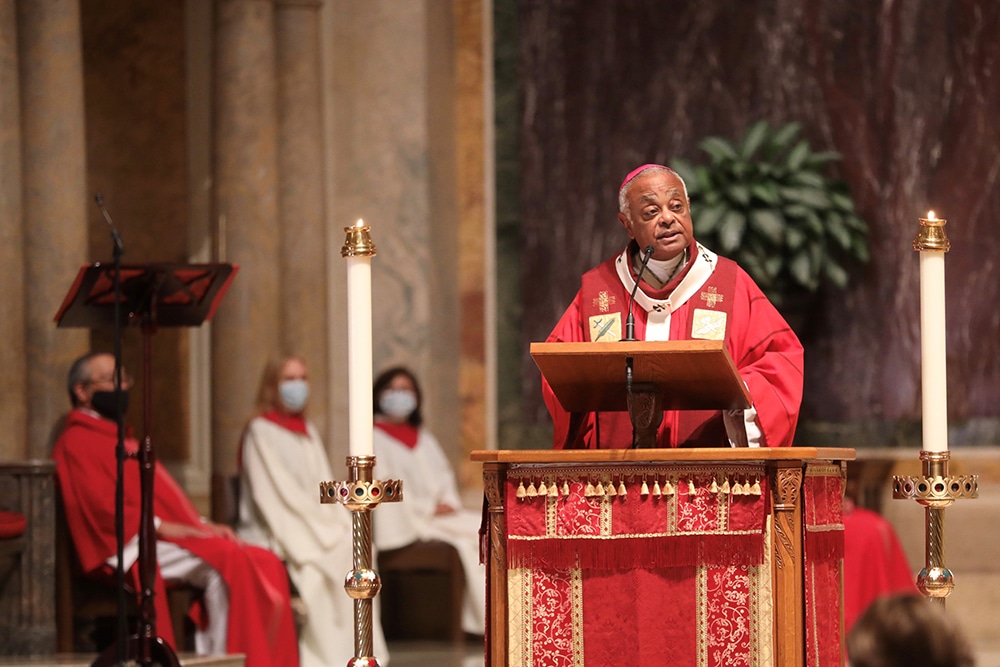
<point>907,92</point>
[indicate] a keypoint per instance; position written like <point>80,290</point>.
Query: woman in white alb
<point>431,507</point>
<point>283,462</point>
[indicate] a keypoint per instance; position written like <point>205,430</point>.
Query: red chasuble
<point>712,298</point>
<point>260,618</point>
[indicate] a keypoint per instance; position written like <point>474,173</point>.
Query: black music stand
<point>152,295</point>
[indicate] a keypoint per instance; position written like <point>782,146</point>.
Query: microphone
<point>630,320</point>
<point>114,232</point>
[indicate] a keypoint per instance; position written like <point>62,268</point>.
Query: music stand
<point>643,377</point>
<point>152,295</point>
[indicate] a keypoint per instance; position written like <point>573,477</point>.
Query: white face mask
<point>294,394</point>
<point>398,403</point>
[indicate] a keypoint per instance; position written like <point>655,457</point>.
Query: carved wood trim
<point>494,479</point>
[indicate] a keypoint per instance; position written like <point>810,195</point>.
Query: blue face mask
<point>294,394</point>
<point>398,403</point>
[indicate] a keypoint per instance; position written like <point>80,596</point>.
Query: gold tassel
<point>714,488</point>
<point>737,489</point>
<point>644,489</point>
<point>553,490</point>
<point>725,486</point>
<point>565,489</point>
<point>668,488</point>
<point>532,491</point>
<point>589,491</point>
<point>692,489</point>
<point>609,490</point>
<point>755,489</point>
<point>542,489</point>
<point>746,488</point>
<point>622,491</point>
<point>599,489</point>
<point>520,490</point>
<point>656,487</point>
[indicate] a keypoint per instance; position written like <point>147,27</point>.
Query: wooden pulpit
<point>681,557</point>
<point>643,556</point>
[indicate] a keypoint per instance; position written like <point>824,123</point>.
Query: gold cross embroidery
<point>604,301</point>
<point>711,297</point>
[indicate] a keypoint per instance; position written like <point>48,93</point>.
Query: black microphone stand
<point>644,405</point>
<point>116,253</point>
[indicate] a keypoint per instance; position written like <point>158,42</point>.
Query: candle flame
<point>361,222</point>
<point>931,216</point>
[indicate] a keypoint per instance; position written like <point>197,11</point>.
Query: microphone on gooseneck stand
<point>630,319</point>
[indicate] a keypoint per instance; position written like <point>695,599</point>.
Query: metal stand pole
<point>361,494</point>
<point>935,490</point>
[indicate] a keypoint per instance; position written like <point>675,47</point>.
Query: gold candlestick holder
<point>361,494</point>
<point>935,490</point>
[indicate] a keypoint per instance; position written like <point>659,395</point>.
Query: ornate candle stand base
<point>361,494</point>
<point>935,490</point>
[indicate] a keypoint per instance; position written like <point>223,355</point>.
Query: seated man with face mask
<point>431,507</point>
<point>246,595</point>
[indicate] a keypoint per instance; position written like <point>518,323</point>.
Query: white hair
<point>627,185</point>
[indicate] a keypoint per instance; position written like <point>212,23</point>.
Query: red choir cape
<point>874,562</point>
<point>260,618</point>
<point>764,348</point>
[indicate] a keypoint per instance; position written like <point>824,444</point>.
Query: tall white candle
<point>933,363</point>
<point>359,344</point>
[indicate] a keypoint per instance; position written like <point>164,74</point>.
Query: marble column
<point>300,194</point>
<point>13,390</point>
<point>476,247</point>
<point>246,330</point>
<point>54,201</point>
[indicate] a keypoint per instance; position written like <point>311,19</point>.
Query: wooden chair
<point>87,607</point>
<point>423,586</point>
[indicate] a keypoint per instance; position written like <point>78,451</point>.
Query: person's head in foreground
<point>907,630</point>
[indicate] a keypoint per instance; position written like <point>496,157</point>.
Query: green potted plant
<point>767,203</point>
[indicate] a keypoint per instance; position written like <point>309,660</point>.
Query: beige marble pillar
<point>246,330</point>
<point>476,230</point>
<point>54,201</point>
<point>301,198</point>
<point>13,390</point>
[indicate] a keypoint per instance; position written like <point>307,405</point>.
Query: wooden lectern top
<point>690,374</point>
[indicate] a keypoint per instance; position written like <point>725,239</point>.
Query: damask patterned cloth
<point>823,507</point>
<point>640,566</point>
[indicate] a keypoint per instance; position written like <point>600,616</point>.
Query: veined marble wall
<point>908,93</point>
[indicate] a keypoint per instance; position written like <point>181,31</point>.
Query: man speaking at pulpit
<point>682,291</point>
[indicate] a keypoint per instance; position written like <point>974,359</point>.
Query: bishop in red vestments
<point>685,292</point>
<point>255,594</point>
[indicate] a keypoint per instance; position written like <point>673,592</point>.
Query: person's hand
<point>221,530</point>
<point>178,531</point>
<point>443,508</point>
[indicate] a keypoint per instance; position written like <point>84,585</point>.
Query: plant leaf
<point>766,192</point>
<point>800,268</point>
<point>835,273</point>
<point>687,173</point>
<point>811,197</point>
<point>770,223</point>
<point>798,155</point>
<point>753,139</point>
<point>794,237</point>
<point>708,219</point>
<point>784,136</point>
<point>821,158</point>
<point>835,228</point>
<point>718,148</point>
<point>739,193</point>
<point>731,231</point>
